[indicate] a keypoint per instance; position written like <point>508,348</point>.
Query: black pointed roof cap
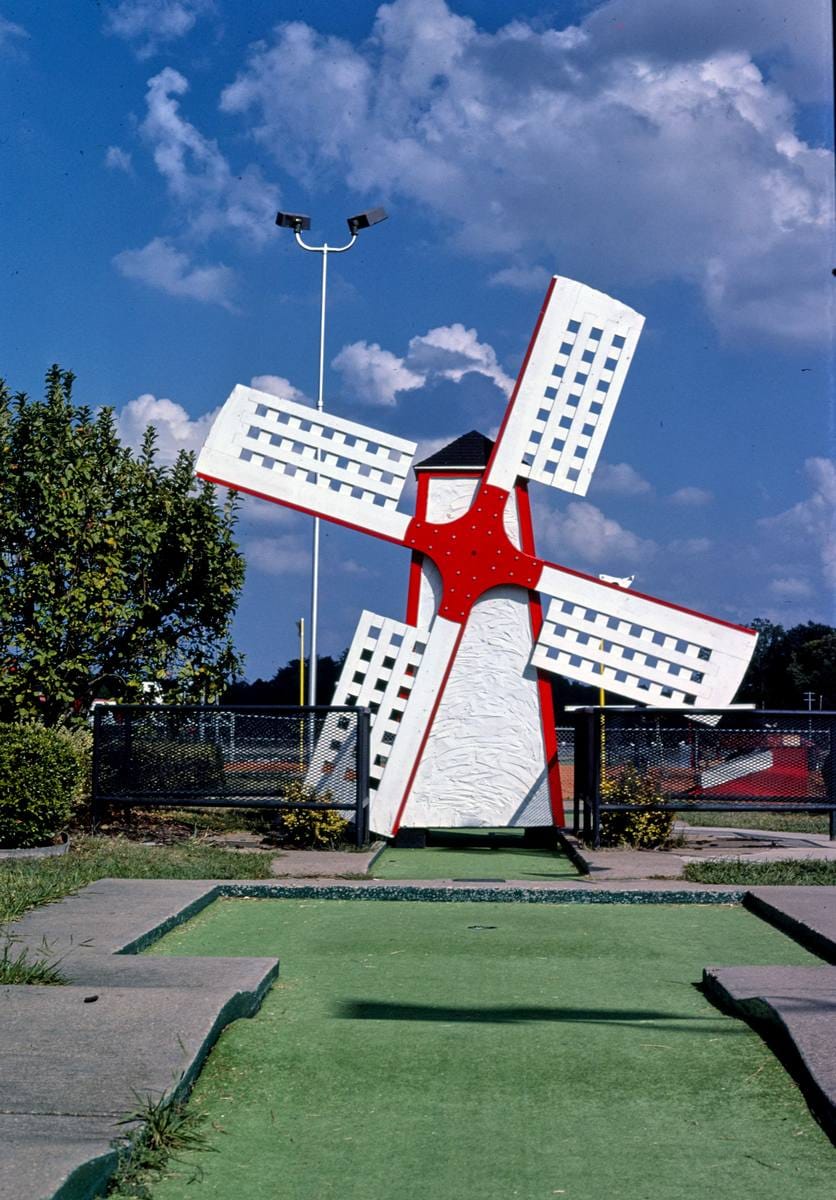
<point>470,452</point>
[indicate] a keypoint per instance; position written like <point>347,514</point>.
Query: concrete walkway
<point>305,864</point>
<point>76,1058</point>
<point>702,844</point>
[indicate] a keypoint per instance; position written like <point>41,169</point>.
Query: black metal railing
<point>703,760</point>
<point>160,755</point>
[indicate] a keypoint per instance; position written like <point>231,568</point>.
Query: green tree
<point>785,665</point>
<point>113,568</point>
<point>813,669</point>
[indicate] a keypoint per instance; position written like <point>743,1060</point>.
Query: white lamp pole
<point>298,222</point>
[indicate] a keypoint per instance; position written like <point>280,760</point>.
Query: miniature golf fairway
<point>475,855</point>
<point>485,1051</point>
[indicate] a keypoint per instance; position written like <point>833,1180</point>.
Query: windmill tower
<point>459,717</point>
<point>492,757</point>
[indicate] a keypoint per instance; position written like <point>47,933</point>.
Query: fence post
<point>587,752</point>
<point>95,782</point>
<point>830,779</point>
<point>361,820</point>
<point>596,749</point>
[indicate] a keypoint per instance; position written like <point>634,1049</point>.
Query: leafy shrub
<point>80,741</point>
<point>310,828</point>
<point>647,827</point>
<point>39,775</point>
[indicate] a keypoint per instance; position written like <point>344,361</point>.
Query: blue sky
<point>678,157</point>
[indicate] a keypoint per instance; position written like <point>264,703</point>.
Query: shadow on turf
<point>374,1010</point>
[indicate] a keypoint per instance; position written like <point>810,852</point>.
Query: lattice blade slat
<point>405,754</point>
<point>567,390</point>
<point>379,672</point>
<point>638,647</point>
<point>316,462</point>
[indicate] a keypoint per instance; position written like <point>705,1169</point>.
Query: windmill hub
<point>479,535</point>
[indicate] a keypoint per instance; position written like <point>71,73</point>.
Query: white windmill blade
<point>409,733</point>
<point>380,669</point>
<point>635,646</point>
<point>310,460</point>
<point>567,389</point>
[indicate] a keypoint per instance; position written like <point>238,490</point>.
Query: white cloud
<point>277,385</point>
<point>451,352</point>
<point>117,159</point>
<point>161,265</point>
<point>374,375</point>
<point>811,523</point>
<point>378,376</point>
<point>619,479</point>
<point>213,197</point>
<point>655,28</point>
<point>350,566</point>
<point>791,588</point>
<point>290,554</point>
<point>690,546</point>
<point>285,554</point>
<point>176,430</point>
<point>151,24</point>
<point>9,31</point>
<point>651,147</point>
<point>581,533</point>
<point>524,279</point>
<point>691,497</point>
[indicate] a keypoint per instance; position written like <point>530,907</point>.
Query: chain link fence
<point>706,760</point>
<point>231,757</point>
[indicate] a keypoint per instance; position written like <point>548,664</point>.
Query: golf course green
<point>487,1051</point>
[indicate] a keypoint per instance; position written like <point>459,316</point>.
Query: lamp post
<point>298,222</point>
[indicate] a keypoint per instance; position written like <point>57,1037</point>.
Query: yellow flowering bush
<point>647,827</point>
<point>310,828</point>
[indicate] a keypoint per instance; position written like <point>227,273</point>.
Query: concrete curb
<point>125,1027</point>
<point>794,1009</point>
<point>807,914</point>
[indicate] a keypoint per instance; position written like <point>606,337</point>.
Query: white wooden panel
<point>568,390</point>
<point>315,461</point>
<point>484,762</point>
<point>638,647</point>
<point>426,694</point>
<point>379,672</point>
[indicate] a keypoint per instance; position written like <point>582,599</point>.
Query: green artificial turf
<point>488,857</point>
<point>482,1051</point>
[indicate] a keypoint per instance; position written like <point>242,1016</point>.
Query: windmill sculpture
<point>463,730</point>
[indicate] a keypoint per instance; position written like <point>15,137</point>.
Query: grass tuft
<point>26,884</point>
<point>773,822</point>
<point>19,966</point>
<point>750,874</point>
<point>166,1129</point>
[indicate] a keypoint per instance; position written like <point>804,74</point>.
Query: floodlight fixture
<point>364,220</point>
<point>295,221</point>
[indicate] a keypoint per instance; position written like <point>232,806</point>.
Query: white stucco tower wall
<point>488,756</point>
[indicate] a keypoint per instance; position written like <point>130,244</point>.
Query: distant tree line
<point>283,687</point>
<point>788,665</point>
